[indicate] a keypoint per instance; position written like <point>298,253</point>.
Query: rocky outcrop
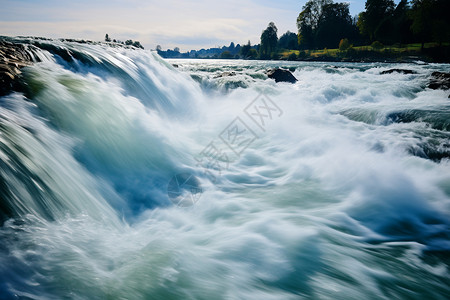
<point>401,71</point>
<point>13,57</point>
<point>439,81</point>
<point>281,75</point>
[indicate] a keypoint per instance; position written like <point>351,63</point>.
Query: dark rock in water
<point>439,80</point>
<point>226,74</point>
<point>281,75</point>
<point>402,71</point>
<point>175,65</point>
<point>13,57</point>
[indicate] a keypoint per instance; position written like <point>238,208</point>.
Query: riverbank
<point>431,53</point>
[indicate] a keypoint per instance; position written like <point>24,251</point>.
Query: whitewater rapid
<point>344,193</point>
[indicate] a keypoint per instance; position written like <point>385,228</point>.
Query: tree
<point>245,49</point>
<point>226,55</point>
<point>137,44</point>
<point>158,48</point>
<point>430,20</point>
<point>288,40</point>
<point>402,23</point>
<point>305,37</point>
<point>107,38</point>
<point>308,20</point>
<point>323,23</point>
<point>269,41</point>
<point>378,12</point>
<point>334,24</point>
<point>176,49</point>
<point>312,12</point>
<point>361,23</point>
<point>252,54</point>
<point>441,23</point>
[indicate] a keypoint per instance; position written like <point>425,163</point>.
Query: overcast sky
<point>192,24</point>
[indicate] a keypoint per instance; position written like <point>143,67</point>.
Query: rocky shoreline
<point>13,57</point>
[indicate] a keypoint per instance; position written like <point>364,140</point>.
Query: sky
<point>192,24</point>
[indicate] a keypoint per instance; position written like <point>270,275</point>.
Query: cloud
<point>189,25</point>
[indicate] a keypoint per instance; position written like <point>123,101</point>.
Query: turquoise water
<point>336,187</point>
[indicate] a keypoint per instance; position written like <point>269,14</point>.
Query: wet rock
<point>439,80</point>
<point>13,57</point>
<point>225,74</point>
<point>401,71</point>
<point>281,75</point>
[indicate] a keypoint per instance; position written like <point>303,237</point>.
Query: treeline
<point>324,24</point>
<point>232,51</point>
<point>136,44</point>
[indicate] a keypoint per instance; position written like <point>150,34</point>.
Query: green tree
<point>137,44</point>
<point>430,21</point>
<point>312,12</point>
<point>421,16</point>
<point>269,40</point>
<point>402,23</point>
<point>441,23</point>
<point>288,40</point>
<point>361,23</point>
<point>245,49</point>
<point>334,24</point>
<point>305,37</point>
<point>378,12</point>
<point>308,21</point>
<point>323,23</point>
<point>252,54</point>
<point>107,38</point>
<point>226,55</point>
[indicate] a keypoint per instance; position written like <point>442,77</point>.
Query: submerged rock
<point>225,74</point>
<point>281,75</point>
<point>401,71</point>
<point>13,57</point>
<point>439,80</point>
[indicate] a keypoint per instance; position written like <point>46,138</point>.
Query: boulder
<point>281,75</point>
<point>439,80</point>
<point>401,71</point>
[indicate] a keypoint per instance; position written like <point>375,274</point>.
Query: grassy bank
<point>432,52</point>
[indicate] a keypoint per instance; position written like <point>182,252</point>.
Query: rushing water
<point>342,193</point>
